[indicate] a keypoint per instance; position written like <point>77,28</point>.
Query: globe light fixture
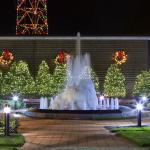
<point>7,109</point>
<point>139,106</point>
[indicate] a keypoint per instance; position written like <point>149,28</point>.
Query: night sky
<point>97,17</point>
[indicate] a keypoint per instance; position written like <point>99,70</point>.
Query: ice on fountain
<point>79,93</point>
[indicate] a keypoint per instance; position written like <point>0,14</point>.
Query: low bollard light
<point>15,99</point>
<point>7,111</point>
<point>139,107</point>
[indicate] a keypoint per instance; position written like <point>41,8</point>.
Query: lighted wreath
<point>120,57</point>
<point>6,57</point>
<point>61,57</point>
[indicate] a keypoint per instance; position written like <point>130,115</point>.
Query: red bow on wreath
<point>6,54</point>
<point>6,57</point>
<point>120,55</point>
<point>61,56</point>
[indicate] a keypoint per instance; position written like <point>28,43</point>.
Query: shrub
<point>142,84</point>
<point>95,80</point>
<point>59,78</point>
<point>43,80</point>
<point>13,124</point>
<point>18,80</point>
<point>114,84</point>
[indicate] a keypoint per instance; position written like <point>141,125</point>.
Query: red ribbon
<point>120,55</point>
<point>6,54</point>
<point>61,56</point>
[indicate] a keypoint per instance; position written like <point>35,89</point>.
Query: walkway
<point>44,134</point>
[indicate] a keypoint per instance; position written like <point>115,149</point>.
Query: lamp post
<point>15,99</point>
<point>7,112</point>
<point>139,108</point>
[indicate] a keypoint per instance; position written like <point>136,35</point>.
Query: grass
<point>139,135</point>
<point>8,148</point>
<point>11,142</point>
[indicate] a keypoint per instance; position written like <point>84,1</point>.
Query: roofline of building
<point>143,38</point>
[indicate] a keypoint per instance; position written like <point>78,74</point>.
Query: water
<point>79,93</point>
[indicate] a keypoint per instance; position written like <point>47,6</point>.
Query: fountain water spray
<point>79,93</point>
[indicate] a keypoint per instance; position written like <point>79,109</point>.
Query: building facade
<point>101,49</point>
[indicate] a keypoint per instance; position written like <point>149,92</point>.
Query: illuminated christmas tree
<point>43,80</point>
<point>142,84</point>
<point>32,17</point>
<point>18,80</point>
<point>114,85</point>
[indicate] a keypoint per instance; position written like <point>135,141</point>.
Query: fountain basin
<point>73,114</point>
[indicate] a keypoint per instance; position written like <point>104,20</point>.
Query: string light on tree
<point>32,17</point>
<point>114,84</point>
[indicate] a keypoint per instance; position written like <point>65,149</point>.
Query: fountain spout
<point>78,45</point>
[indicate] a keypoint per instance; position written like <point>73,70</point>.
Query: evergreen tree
<point>43,80</point>
<point>95,80</point>
<point>114,85</point>
<point>1,80</point>
<point>142,84</point>
<point>18,80</point>
<point>59,78</point>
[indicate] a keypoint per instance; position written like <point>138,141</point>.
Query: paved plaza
<point>47,134</point>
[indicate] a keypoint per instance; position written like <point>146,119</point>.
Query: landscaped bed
<point>11,142</point>
<point>139,135</point>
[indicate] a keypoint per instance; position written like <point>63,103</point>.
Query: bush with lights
<point>18,80</point>
<point>114,84</point>
<point>43,80</point>
<point>1,79</point>
<point>13,125</point>
<point>59,77</point>
<point>142,84</point>
<point>95,80</point>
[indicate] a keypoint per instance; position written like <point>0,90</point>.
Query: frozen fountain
<point>79,93</point>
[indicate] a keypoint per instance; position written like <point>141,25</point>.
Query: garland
<point>6,57</point>
<point>120,57</point>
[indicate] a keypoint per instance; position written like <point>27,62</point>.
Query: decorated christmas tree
<point>18,80</point>
<point>114,85</point>
<point>59,78</point>
<point>142,84</point>
<point>95,80</point>
<point>43,80</point>
<point>1,79</point>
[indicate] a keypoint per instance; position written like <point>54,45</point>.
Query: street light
<point>7,110</point>
<point>139,107</point>
<point>15,99</point>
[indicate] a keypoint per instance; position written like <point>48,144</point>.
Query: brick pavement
<point>44,134</point>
